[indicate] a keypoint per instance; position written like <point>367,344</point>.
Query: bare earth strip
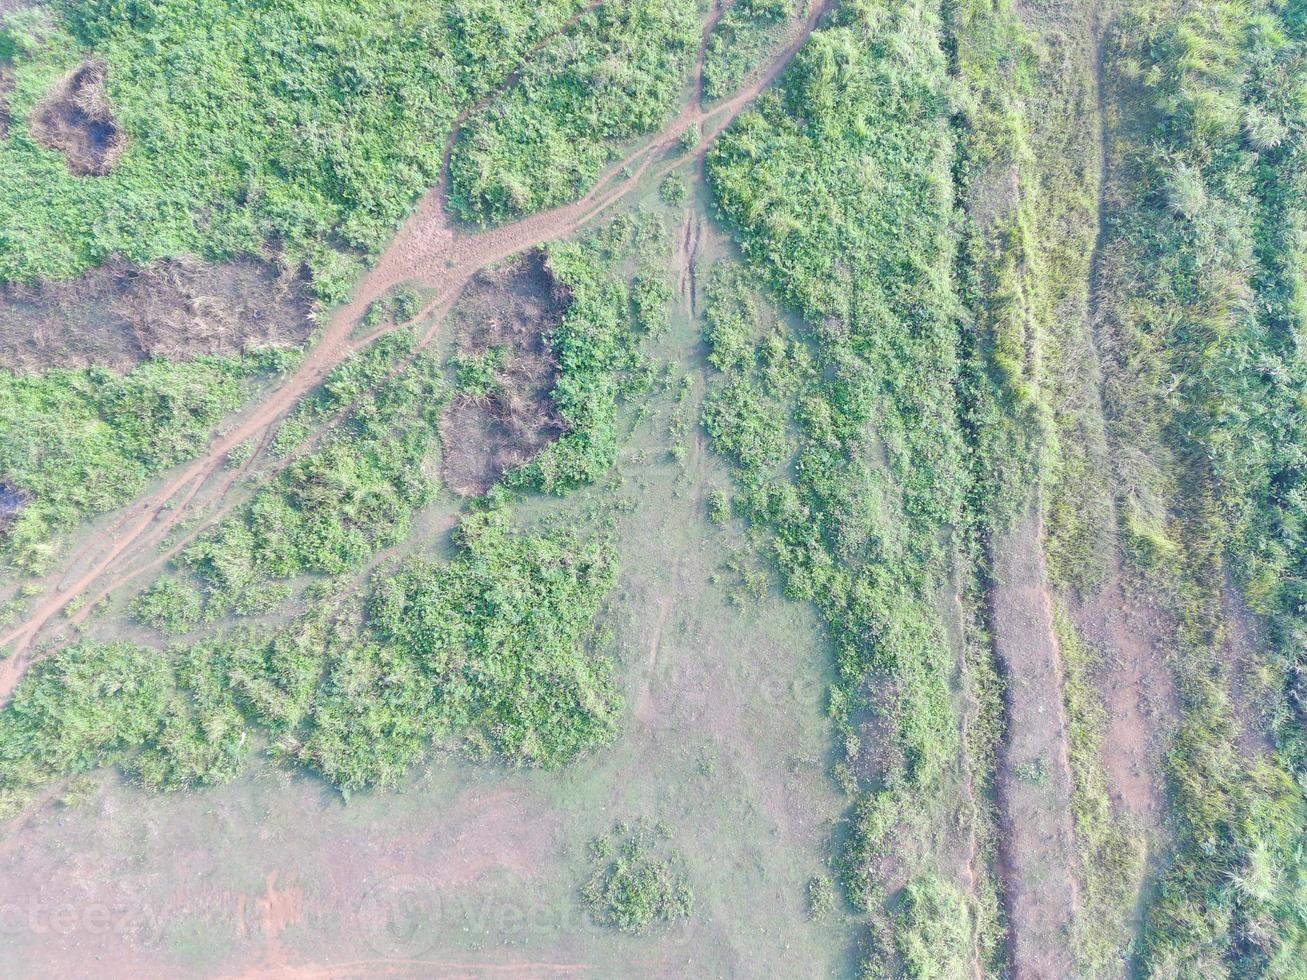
<point>1034,781</point>
<point>427,250</point>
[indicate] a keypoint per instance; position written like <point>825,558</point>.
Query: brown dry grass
<point>121,314</point>
<point>512,308</point>
<point>77,120</point>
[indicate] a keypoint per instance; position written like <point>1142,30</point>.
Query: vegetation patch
<point>355,101</point>
<point>1205,287</point>
<point>120,314</point>
<point>77,120</point>
<point>638,883</point>
<point>747,30</point>
<point>399,306</point>
<point>492,650</point>
<point>335,506</point>
<point>596,346</point>
<point>79,443</point>
<point>615,76</point>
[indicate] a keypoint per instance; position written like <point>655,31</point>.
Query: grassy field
<point>847,531</point>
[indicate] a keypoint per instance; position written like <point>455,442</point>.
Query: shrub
<point>637,889</point>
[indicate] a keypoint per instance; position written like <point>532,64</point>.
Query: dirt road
<point>426,250</point>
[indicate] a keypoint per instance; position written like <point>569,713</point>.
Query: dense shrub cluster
<point>502,630</point>
<point>490,650</point>
<point>596,346</point>
<point>616,75</point>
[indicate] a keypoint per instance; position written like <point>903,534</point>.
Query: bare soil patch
<point>77,120</point>
<point>1138,692</point>
<point>1037,847</point>
<point>121,314</point>
<point>504,318</point>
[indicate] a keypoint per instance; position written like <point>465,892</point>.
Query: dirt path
<point>426,250</point>
<point>1135,682</point>
<point>1037,846</point>
<point>1134,679</point>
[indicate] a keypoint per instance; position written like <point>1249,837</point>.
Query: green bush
<point>169,605</point>
<point>595,348</point>
<point>334,507</point>
<point>615,76</point>
<point>637,889</point>
<point>491,650</point>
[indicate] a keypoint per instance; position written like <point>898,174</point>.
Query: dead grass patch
<point>12,501</point>
<point>6,87</point>
<point>512,309</point>
<point>77,120</point>
<point>121,314</point>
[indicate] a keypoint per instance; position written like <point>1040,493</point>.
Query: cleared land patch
<point>503,414</point>
<point>122,314</point>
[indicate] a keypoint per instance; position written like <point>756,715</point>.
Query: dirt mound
<point>77,120</point>
<point>501,323</point>
<point>121,314</point>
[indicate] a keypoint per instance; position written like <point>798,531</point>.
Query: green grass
<point>80,443</point>
<point>838,185</point>
<point>638,882</point>
<point>1210,297</point>
<point>744,34</point>
<point>340,501</point>
<point>616,75</point>
<point>354,102</point>
<point>490,651</point>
